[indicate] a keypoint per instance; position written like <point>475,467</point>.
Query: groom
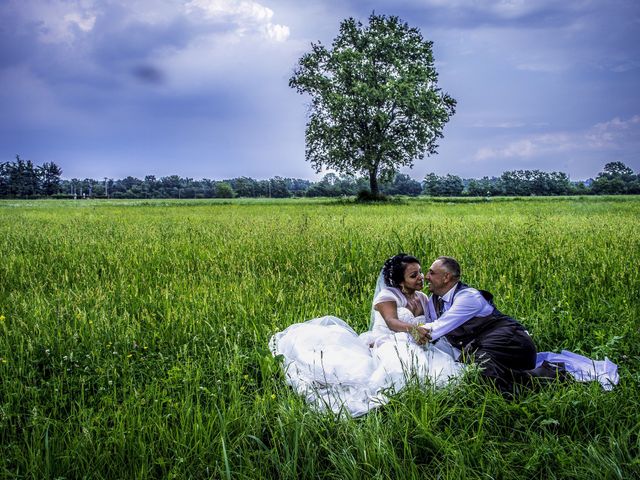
<point>470,321</point>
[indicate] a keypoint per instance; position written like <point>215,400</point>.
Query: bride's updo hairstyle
<point>394,267</point>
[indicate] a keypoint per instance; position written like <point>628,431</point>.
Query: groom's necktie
<point>439,306</point>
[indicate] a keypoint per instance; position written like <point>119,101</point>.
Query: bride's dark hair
<point>394,267</point>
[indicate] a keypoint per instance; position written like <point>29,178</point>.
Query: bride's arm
<point>389,311</point>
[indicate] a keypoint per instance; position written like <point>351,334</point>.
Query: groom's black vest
<point>476,327</point>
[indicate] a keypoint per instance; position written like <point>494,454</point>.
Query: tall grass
<point>133,338</point>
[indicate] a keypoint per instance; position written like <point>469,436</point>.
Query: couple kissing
<point>432,339</point>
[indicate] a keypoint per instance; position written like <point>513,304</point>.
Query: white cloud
<point>530,146</point>
<point>542,67</point>
<point>246,15</point>
<point>247,10</point>
<point>626,66</point>
<point>612,134</point>
<point>505,125</point>
<point>503,9</point>
<point>521,148</point>
<point>61,21</point>
<point>85,22</point>
<point>55,21</point>
<point>279,33</point>
<point>515,8</point>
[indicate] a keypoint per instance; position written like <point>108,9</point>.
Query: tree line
<point>24,179</point>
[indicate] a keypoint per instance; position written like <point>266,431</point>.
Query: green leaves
<point>375,105</point>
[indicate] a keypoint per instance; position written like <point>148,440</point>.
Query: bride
<point>334,368</point>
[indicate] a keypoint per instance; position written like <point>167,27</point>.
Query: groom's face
<point>438,278</point>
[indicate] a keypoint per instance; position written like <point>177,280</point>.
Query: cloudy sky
<point>199,88</point>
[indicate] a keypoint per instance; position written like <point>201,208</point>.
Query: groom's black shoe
<point>546,373</point>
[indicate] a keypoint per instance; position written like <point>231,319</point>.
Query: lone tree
<point>375,105</point>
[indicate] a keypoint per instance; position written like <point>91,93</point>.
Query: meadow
<point>134,338</point>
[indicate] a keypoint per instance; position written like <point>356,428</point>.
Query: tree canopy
<point>24,179</point>
<point>616,178</point>
<point>375,105</point>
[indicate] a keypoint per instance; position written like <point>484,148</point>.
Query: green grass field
<point>133,338</point>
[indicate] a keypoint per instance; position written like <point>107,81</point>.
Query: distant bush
<point>366,196</point>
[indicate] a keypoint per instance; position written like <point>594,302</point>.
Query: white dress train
<point>336,369</point>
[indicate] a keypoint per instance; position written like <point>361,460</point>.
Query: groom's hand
<point>425,335</point>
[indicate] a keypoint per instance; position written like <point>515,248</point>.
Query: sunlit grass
<point>133,337</point>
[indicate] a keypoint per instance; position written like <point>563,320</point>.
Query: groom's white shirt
<point>468,303</point>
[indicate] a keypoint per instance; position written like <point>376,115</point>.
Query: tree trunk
<point>373,183</point>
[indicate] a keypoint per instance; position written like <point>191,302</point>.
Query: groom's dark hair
<point>451,265</point>
<point>394,267</point>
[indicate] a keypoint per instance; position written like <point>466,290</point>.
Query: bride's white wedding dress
<point>334,368</point>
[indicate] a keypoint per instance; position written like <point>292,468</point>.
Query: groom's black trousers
<point>504,354</point>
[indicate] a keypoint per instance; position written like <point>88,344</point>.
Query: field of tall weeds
<point>133,338</point>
